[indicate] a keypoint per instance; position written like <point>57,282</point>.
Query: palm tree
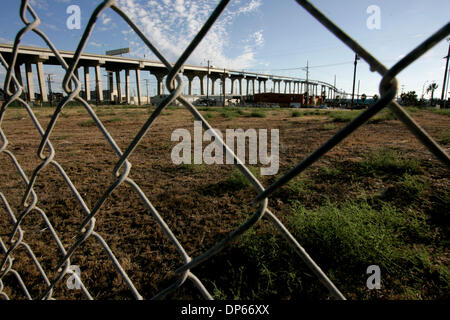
<point>363,97</point>
<point>433,86</point>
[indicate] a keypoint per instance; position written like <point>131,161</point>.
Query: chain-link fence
<point>13,90</point>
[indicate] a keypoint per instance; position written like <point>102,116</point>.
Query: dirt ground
<point>197,202</point>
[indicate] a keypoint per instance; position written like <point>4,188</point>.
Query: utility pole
<point>223,87</point>
<point>334,86</point>
<point>357,95</point>
<point>207,85</point>
<point>446,91</point>
<point>146,84</point>
<point>354,78</point>
<point>307,84</point>
<point>445,73</point>
<point>49,81</point>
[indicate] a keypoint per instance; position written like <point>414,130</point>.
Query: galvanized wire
<point>46,152</point>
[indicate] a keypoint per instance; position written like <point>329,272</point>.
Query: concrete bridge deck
<point>114,65</point>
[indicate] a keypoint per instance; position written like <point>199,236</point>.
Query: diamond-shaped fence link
<point>122,169</point>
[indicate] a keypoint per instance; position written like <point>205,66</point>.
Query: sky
<point>270,36</point>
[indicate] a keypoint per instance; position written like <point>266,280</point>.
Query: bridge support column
<point>111,85</point>
<point>265,87</point>
<point>119,87</point>
<point>18,74</point>
<point>29,79</point>
<point>127,86</point>
<point>77,77</point>
<point>224,91</point>
<point>138,86</point>
<point>240,86</point>
<point>87,89</point>
<point>202,85</point>
<point>213,85</point>
<point>190,79</point>
<point>98,84</point>
<point>41,78</point>
<point>159,86</point>
<point>232,86</point>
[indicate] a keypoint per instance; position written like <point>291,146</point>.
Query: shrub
<point>297,113</point>
<point>256,114</point>
<point>343,116</point>
<point>388,161</point>
<point>239,181</point>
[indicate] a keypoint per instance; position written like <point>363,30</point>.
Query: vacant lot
<point>379,198</point>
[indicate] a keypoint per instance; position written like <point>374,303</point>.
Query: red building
<point>286,100</point>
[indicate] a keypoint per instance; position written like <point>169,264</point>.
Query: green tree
<point>375,97</point>
<point>409,98</point>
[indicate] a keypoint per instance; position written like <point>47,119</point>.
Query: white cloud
<point>250,7</point>
<point>4,40</point>
<point>105,19</point>
<point>258,38</point>
<point>95,44</point>
<point>39,4</point>
<point>171,25</point>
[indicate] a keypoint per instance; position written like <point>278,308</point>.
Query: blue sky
<point>258,35</point>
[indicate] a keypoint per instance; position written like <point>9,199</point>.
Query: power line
<point>302,68</point>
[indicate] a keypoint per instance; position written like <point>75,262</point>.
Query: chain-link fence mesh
<point>10,244</point>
